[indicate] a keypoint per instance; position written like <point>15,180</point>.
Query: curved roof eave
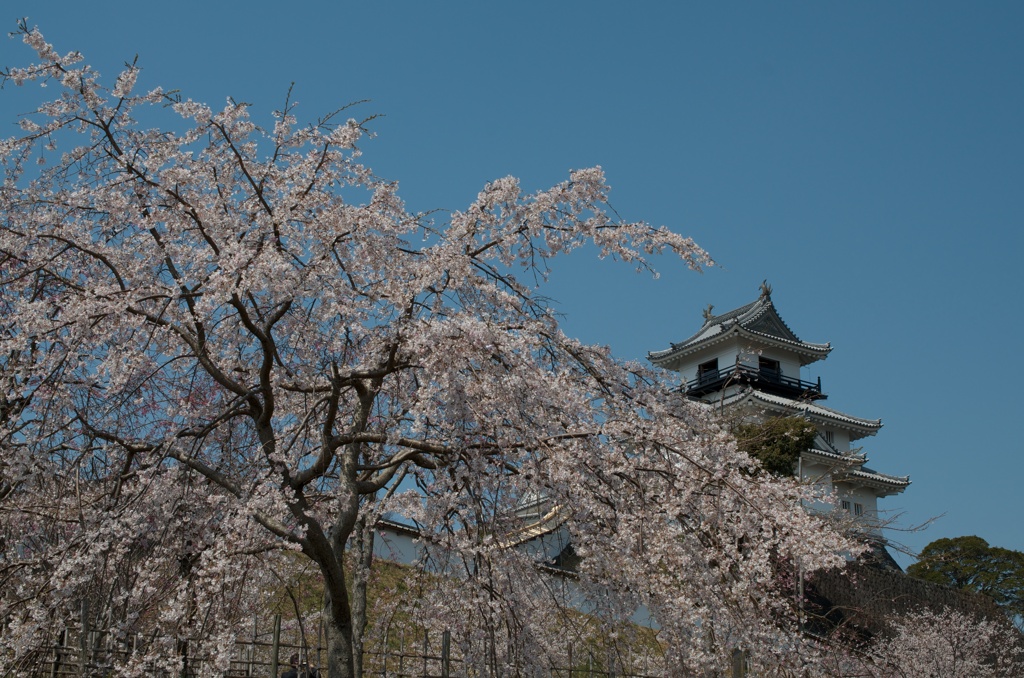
<point>813,351</point>
<point>863,427</point>
<point>851,459</point>
<point>816,351</point>
<point>875,480</point>
<point>716,328</point>
<point>547,524</point>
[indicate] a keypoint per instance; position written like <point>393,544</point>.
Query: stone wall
<point>865,597</point>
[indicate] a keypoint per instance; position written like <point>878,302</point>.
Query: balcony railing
<point>761,378</point>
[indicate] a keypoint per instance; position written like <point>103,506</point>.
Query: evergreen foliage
<point>776,443</point>
<point>970,563</point>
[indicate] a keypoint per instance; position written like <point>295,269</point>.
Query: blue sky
<point>865,158</point>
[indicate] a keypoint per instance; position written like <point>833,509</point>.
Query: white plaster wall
<point>841,440</point>
<point>817,473</point>
<point>397,547</point>
<point>866,498</point>
<point>790,366</point>
<point>789,363</point>
<point>725,353</point>
<point>820,475</point>
<point>748,353</point>
<point>860,495</point>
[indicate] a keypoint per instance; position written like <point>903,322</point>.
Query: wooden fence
<point>92,654</point>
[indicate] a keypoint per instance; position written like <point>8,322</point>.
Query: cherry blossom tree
<point>220,342</point>
<point>950,644</point>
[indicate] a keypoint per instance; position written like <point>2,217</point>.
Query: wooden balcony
<point>762,379</point>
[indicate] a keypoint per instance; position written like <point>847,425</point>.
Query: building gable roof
<point>758,321</point>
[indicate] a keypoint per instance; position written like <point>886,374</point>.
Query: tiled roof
<point>875,478</point>
<point>846,458</point>
<point>853,469</point>
<point>758,319</point>
<point>396,526</point>
<point>813,410</point>
<point>550,522</point>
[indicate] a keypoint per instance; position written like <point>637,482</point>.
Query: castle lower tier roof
<point>877,481</point>
<point>837,458</point>
<point>856,426</point>
<point>849,468</point>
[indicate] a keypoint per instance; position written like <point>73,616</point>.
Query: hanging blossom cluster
<point>220,345</point>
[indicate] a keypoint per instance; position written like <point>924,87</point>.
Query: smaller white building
<point>747,362</point>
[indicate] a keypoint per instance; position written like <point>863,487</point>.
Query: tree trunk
<point>338,612</point>
<point>340,658</point>
<point>363,552</point>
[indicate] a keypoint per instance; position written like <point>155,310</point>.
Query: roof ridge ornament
<point>708,315</point>
<point>766,290</point>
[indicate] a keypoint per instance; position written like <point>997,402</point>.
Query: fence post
<point>446,646</point>
<point>252,646</point>
<point>739,663</point>
<point>83,641</point>
<point>426,645</point>
<point>401,652</point>
<point>274,665</point>
<point>61,644</point>
<point>94,647</point>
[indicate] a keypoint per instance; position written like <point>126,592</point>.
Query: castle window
<point>708,371</point>
<point>830,437</point>
<point>769,369</point>
<point>858,509</point>
<point>846,506</point>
